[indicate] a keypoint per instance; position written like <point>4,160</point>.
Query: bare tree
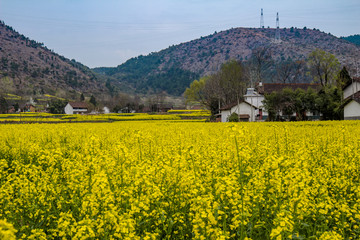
<point>284,71</point>
<point>261,59</point>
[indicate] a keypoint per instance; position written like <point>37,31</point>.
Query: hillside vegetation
<point>353,39</point>
<point>172,69</point>
<point>28,68</point>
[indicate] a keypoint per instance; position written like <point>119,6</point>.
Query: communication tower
<point>262,19</point>
<point>277,31</point>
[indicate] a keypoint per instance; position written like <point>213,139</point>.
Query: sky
<point>106,33</point>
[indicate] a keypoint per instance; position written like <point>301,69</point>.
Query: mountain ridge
<point>205,55</point>
<point>28,68</point>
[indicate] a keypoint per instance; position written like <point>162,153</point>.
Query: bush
<point>233,117</point>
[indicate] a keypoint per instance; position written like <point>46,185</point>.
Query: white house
<point>256,99</point>
<point>245,110</point>
<point>76,108</point>
<point>352,99</point>
<point>106,110</point>
<point>252,109</point>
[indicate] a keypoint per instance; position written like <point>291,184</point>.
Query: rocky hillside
<point>174,68</point>
<point>28,68</point>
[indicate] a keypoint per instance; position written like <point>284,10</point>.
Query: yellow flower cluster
<point>178,180</point>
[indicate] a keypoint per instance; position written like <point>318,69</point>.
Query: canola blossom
<point>176,180</point>
<point>30,117</point>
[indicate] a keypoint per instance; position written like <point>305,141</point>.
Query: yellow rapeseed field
<point>176,180</point>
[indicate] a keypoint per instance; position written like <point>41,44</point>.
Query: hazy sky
<point>108,32</point>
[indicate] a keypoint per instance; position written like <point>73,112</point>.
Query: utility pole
<point>262,19</point>
<point>277,31</point>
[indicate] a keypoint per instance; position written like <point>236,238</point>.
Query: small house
<point>106,110</point>
<point>252,109</point>
<point>29,108</point>
<point>76,108</point>
<point>244,110</point>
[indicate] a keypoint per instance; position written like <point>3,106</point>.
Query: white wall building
<point>256,99</point>
<point>352,100</point>
<point>245,110</point>
<point>106,110</point>
<point>76,108</point>
<point>252,108</point>
<point>351,88</point>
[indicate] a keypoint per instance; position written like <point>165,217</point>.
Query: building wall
<point>68,109</point>
<point>224,115</point>
<point>244,108</point>
<point>351,89</point>
<point>255,100</point>
<point>79,111</point>
<point>352,110</point>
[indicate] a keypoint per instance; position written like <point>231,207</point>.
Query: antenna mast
<point>277,31</point>
<point>262,19</point>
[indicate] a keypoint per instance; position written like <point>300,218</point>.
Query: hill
<point>172,69</point>
<point>353,39</point>
<point>28,68</point>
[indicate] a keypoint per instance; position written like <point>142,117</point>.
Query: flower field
<point>30,117</point>
<point>178,180</point>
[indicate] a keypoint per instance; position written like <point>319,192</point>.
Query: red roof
<point>78,104</point>
<point>268,88</point>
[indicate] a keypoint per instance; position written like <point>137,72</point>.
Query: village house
<point>252,109</point>
<point>76,108</point>
<point>351,104</point>
<point>29,108</point>
<point>244,110</point>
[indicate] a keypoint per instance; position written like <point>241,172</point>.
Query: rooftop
<point>268,88</point>
<point>78,104</point>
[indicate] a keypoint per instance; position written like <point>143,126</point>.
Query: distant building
<point>252,109</point>
<point>106,110</point>
<point>29,108</point>
<point>351,103</point>
<point>244,110</point>
<point>76,108</point>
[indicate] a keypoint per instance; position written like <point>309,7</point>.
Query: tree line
<point>229,85</point>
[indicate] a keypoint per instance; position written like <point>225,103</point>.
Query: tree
<point>273,104</point>
<point>324,67</point>
<point>82,98</point>
<point>329,103</point>
<point>3,105</point>
<point>196,93</point>
<point>284,70</point>
<point>57,106</point>
<point>260,61</point>
<point>16,107</point>
<point>300,69</point>
<point>343,78</point>
<point>222,88</point>
<point>233,81</point>
<point>93,100</point>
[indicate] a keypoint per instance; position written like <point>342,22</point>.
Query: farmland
<point>38,117</point>
<point>180,180</point>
